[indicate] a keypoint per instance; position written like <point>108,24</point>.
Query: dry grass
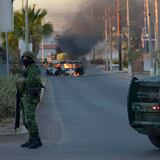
<point>7,96</point>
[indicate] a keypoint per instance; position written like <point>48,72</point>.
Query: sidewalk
<point>7,128</point>
<point>7,133</point>
<point>124,73</point>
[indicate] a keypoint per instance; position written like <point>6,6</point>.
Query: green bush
<point>125,64</point>
<point>133,54</point>
<point>7,96</point>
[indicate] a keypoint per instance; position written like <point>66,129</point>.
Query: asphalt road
<point>85,118</point>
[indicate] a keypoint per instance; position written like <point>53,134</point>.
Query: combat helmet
<point>29,54</point>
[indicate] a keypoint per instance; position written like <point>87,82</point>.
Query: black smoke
<point>87,26</point>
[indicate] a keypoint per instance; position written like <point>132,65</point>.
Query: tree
<point>134,52</point>
<point>37,28</point>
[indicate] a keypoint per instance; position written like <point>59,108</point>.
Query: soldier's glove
<point>20,82</point>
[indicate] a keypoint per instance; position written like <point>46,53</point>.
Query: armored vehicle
<point>144,107</point>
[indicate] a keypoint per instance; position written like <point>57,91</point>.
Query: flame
<point>76,74</point>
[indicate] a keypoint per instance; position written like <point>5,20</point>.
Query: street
<point>87,53</point>
<point>84,118</point>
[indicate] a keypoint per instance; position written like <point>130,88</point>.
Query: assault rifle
<point>17,110</point>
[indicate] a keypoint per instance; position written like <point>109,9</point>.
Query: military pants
<point>29,105</point>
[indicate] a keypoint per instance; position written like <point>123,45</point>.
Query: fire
<point>76,74</point>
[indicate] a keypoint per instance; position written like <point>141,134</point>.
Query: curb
<point>140,75</point>
<point>21,130</point>
<point>114,72</point>
<point>125,70</point>
<point>127,76</point>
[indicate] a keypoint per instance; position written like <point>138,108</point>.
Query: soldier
<point>30,85</point>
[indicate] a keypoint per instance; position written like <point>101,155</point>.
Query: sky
<point>59,11</point>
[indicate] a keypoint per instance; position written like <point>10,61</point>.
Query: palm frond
<point>47,29</point>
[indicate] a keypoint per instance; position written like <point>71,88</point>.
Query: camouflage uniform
<point>30,87</point>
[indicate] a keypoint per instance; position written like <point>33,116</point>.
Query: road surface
<point>84,118</point>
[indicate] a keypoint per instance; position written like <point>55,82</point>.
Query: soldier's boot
<point>26,144</point>
<point>35,144</point>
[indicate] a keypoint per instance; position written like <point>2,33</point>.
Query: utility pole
<point>128,38</point>
<point>119,35</point>
<point>145,26</point>
<point>91,33</point>
<point>149,36</point>
<point>156,26</point>
<point>42,43</point>
<point>42,48</point>
<point>7,53</point>
<point>26,28</point>
<point>110,38</point>
<point>22,4</point>
<point>7,50</point>
<point>106,39</point>
<point>157,54</point>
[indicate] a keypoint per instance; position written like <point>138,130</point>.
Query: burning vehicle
<point>53,68</point>
<point>65,68</point>
<point>73,68</point>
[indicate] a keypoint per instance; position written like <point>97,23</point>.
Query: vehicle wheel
<point>155,140</point>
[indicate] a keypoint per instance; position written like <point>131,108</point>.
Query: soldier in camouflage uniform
<point>29,85</point>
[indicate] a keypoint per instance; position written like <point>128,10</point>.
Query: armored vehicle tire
<point>155,140</point>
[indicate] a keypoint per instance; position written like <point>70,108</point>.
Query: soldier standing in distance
<point>30,85</point>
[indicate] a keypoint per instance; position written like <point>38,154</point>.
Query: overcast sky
<point>57,9</point>
<point>58,5</point>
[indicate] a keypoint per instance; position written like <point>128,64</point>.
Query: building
<point>47,47</point>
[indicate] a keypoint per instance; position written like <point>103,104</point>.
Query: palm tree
<point>36,28</point>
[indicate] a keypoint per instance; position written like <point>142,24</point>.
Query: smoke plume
<point>88,27</point>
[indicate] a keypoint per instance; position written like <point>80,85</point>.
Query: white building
<point>49,47</point>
